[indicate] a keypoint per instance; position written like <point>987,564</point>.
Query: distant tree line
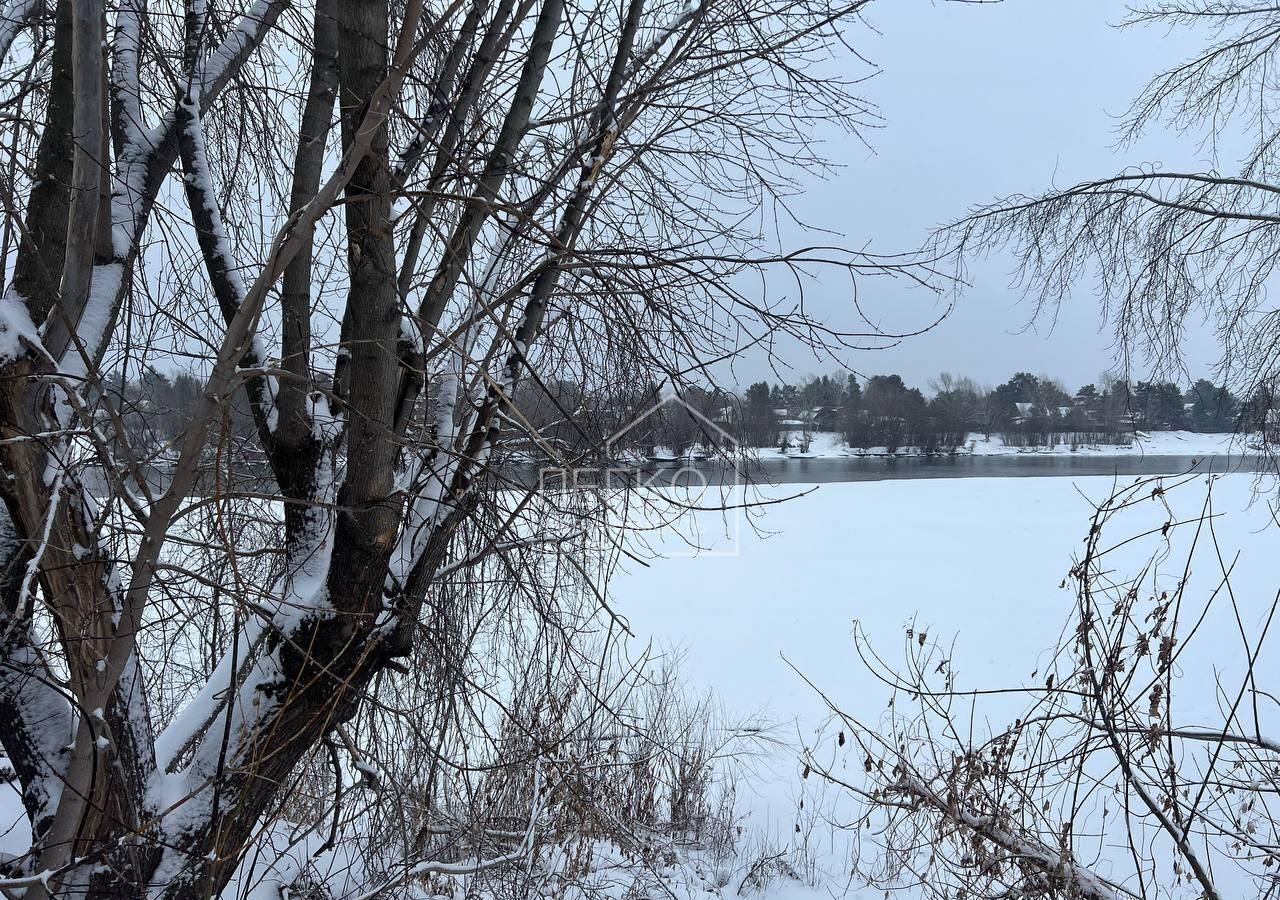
<point>572,422</point>
<point>1027,410</point>
<point>155,408</point>
<point>878,411</point>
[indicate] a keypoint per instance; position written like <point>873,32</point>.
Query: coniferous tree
<point>1214,409</point>
<point>760,424</point>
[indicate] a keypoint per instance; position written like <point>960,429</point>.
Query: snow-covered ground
<point>1155,443</point>
<point>977,562</point>
<point>831,445</point>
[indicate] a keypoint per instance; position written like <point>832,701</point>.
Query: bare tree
<point>1166,248</point>
<point>371,220</point>
<point>963,401</point>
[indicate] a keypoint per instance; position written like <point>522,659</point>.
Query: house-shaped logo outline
<point>664,401</point>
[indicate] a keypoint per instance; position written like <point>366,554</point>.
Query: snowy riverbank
<point>831,445</point>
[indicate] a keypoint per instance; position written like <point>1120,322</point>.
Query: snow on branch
<point>433,477</point>
<point>145,155</point>
<point>212,73</point>
<point>309,556</point>
<point>194,719</point>
<point>140,141</point>
<point>51,514</point>
<point>16,327</point>
<point>35,717</point>
<point>220,262</point>
<point>14,16</point>
<point>223,718</point>
<point>1086,883</point>
<point>38,723</point>
<point>93,331</point>
<point>682,18</point>
<point>125,70</point>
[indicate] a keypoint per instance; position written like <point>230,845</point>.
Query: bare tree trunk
<point>40,253</point>
<point>293,433</point>
<point>380,517</point>
<point>372,328</point>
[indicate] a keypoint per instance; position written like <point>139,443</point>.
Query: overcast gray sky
<point>981,102</point>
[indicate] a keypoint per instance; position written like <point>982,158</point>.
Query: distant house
<point>1024,412</point>
<point>1271,426</point>
<point>821,418</point>
<point>1088,407</point>
<point>725,417</point>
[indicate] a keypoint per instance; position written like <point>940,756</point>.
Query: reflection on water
<point>826,471</point>
<point>700,473</point>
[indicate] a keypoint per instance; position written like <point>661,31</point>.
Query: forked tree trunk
<point>118,811</point>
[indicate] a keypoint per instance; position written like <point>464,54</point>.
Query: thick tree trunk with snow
<point>371,221</point>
